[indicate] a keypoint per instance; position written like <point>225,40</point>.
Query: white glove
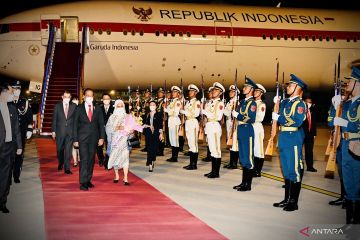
<point>182,111</point>
<point>138,108</point>
<point>234,113</point>
<point>130,107</point>
<point>166,110</point>
<point>19,151</point>
<point>336,100</point>
<point>28,134</point>
<point>338,121</point>
<point>203,100</point>
<point>276,99</point>
<point>275,116</point>
<point>165,100</point>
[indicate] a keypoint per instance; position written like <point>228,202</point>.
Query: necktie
<point>309,119</point>
<point>90,113</point>
<point>66,110</point>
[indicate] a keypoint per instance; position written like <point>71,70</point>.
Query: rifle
<point>331,164</point>
<point>182,128</point>
<point>283,87</point>
<point>151,90</point>
<point>164,114</point>
<point>201,127</point>
<point>330,146</point>
<point>130,100</point>
<point>223,100</point>
<point>137,103</point>
<point>270,147</point>
<point>230,140</point>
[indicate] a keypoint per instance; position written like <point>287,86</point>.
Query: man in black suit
<point>10,141</point>
<point>62,130</point>
<point>89,132</point>
<point>107,109</point>
<point>309,127</point>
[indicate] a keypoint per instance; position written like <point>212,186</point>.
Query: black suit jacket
<point>108,114</point>
<point>61,125</point>
<point>86,131</point>
<point>15,129</point>
<point>305,125</point>
<point>157,122</point>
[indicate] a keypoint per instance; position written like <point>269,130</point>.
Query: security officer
<point>208,103</point>
<point>350,146</point>
<point>192,111</point>
<point>160,100</point>
<point>214,114</point>
<point>246,114</point>
<point>234,150</point>
<point>173,110</point>
<point>259,130</point>
<point>291,116</point>
<point>145,103</point>
<point>25,122</point>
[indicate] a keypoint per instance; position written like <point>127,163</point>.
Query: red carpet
<point>110,211</point>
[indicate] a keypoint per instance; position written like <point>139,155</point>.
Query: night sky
<point>14,6</point>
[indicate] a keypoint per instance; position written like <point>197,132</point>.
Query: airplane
<point>138,43</point>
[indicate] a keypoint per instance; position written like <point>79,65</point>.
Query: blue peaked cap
<point>298,81</point>
<point>250,82</point>
<point>355,74</point>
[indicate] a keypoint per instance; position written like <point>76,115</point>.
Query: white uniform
<point>173,110</point>
<point>192,111</point>
<point>259,129</point>
<point>214,113</point>
<point>229,122</point>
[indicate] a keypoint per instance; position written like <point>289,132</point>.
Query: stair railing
<point>83,49</point>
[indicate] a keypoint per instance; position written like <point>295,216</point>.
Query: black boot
<point>212,167</point>
<point>191,160</point>
<point>248,180</point>
<point>193,163</point>
<point>233,160</point>
<point>216,172</point>
<point>341,200</point>
<point>174,154</point>
<point>181,143</point>
<point>208,156</point>
<point>242,180</point>
<point>256,167</point>
<point>261,164</point>
<point>286,198</point>
<point>228,165</point>
<point>294,192</point>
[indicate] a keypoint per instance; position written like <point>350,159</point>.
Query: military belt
<point>288,129</point>
<point>349,135</point>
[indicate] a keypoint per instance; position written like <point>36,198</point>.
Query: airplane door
<point>224,36</point>
<point>69,29</point>
<point>45,21</point>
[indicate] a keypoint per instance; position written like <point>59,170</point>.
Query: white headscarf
<point>120,112</point>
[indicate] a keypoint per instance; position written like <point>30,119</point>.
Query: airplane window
<point>125,32</point>
<point>4,28</point>
<point>91,31</point>
<point>181,34</point>
<point>285,37</point>
<point>100,31</point>
<point>278,37</point>
<point>307,38</point>
<point>299,38</point>
<point>141,32</point>
<point>320,38</point>
<point>108,31</point>
<point>157,33</point>
<point>165,33</point>
<point>313,37</point>
<point>133,32</point>
<point>204,34</point>
<point>334,39</point>
<point>264,36</point>
<point>348,39</point>
<point>173,34</point>
<point>327,38</point>
<point>292,37</point>
<point>271,37</point>
<point>188,34</point>
<point>355,39</point>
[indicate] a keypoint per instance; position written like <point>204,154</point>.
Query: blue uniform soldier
<point>350,146</point>
<point>291,116</point>
<point>246,115</point>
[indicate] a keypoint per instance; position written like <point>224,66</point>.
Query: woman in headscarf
<point>118,148</point>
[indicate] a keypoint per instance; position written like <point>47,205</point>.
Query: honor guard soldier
<point>208,103</point>
<point>25,121</point>
<point>230,129</point>
<point>173,110</point>
<point>145,109</point>
<point>350,146</point>
<point>246,115</point>
<point>160,100</point>
<point>192,112</point>
<point>290,118</point>
<point>259,130</point>
<point>214,113</point>
<point>136,110</point>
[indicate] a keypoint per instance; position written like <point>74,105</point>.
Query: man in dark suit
<point>10,141</point>
<point>62,130</point>
<point>309,127</point>
<point>89,132</point>
<point>107,109</point>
